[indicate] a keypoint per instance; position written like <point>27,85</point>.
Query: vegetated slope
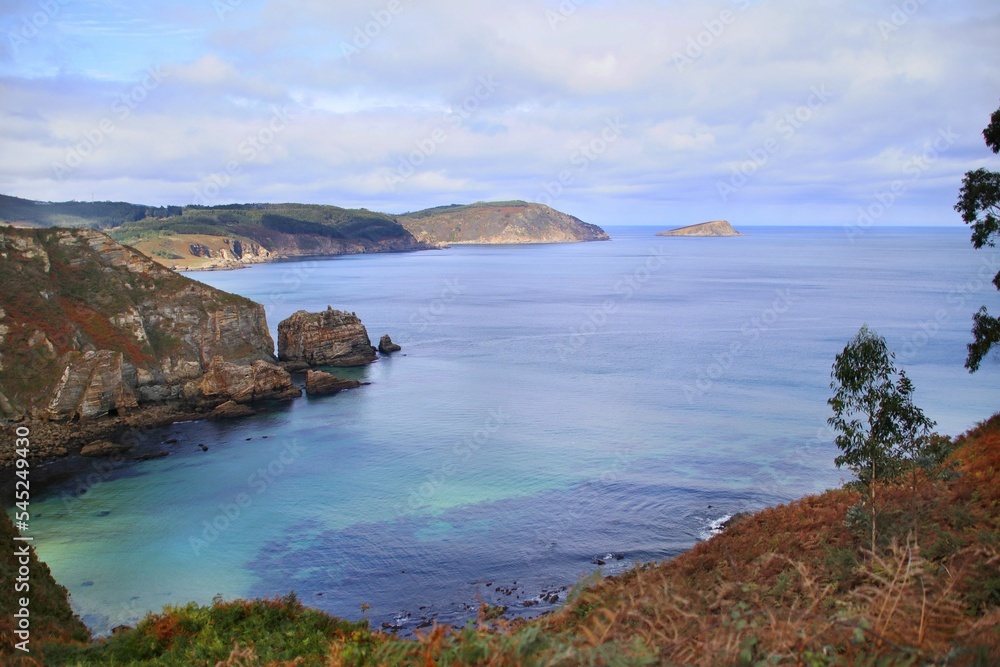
<point>499,222</point>
<point>88,325</point>
<point>714,228</point>
<point>789,585</point>
<point>50,617</point>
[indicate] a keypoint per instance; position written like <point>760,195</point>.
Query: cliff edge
<point>90,328</point>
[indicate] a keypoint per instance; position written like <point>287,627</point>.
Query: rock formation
<point>319,383</point>
<point>90,328</point>
<point>328,338</point>
<point>386,346</point>
<point>714,228</point>
<point>224,381</point>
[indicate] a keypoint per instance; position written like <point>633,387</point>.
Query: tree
<point>979,204</point>
<point>879,425</point>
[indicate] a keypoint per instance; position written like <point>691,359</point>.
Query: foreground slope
<point>499,222</point>
<point>789,585</point>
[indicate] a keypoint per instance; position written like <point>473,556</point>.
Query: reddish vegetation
<point>795,581</point>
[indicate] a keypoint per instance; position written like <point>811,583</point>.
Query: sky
<point>624,112</point>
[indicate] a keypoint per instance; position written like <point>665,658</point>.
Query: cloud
<point>817,103</point>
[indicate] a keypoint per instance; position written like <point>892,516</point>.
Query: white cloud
<point>701,87</point>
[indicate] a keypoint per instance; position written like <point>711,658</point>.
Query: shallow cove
<point>552,405</point>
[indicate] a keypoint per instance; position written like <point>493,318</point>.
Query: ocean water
<point>554,406</point>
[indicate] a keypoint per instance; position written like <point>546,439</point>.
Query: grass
<point>790,585</point>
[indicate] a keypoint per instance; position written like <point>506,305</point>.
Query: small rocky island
<point>329,338</point>
<point>714,228</point>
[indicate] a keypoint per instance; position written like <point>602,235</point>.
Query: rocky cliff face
<point>714,228</point>
<point>89,327</point>
<point>329,338</point>
<point>499,223</point>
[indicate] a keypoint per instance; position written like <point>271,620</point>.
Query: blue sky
<point>627,112</point>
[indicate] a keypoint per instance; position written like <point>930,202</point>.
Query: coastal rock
<point>319,383</point>
<point>92,385</point>
<point>224,381</point>
<point>104,449</point>
<point>714,228</point>
<point>231,410</point>
<point>328,338</point>
<point>386,346</point>
<point>98,329</point>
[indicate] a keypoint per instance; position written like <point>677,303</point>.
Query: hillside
<point>499,222</point>
<point>235,235</point>
<point>790,585</point>
<point>714,228</point>
<point>89,327</point>
<point>238,234</point>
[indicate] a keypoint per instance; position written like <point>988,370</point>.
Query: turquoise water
<point>553,405</point>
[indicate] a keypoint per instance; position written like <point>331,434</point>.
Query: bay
<point>554,406</point>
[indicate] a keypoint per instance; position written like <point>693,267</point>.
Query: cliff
<point>90,328</point>
<point>499,222</point>
<point>715,228</point>
<point>328,338</point>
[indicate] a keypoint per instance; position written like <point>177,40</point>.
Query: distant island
<point>232,236</point>
<point>714,228</point>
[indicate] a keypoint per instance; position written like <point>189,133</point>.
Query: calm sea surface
<point>552,406</point>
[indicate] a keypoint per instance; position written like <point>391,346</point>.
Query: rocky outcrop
<point>714,228</point>
<point>90,328</point>
<point>386,346</point>
<point>328,338</point>
<point>104,449</point>
<point>232,410</point>
<point>319,383</point>
<point>512,222</point>
<point>224,381</point>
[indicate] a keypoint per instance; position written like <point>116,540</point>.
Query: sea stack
<point>328,338</point>
<point>386,346</point>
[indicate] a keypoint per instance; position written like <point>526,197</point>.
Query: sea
<point>557,413</point>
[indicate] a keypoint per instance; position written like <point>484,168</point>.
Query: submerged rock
<point>103,449</point>
<point>319,383</point>
<point>386,346</point>
<point>328,338</point>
